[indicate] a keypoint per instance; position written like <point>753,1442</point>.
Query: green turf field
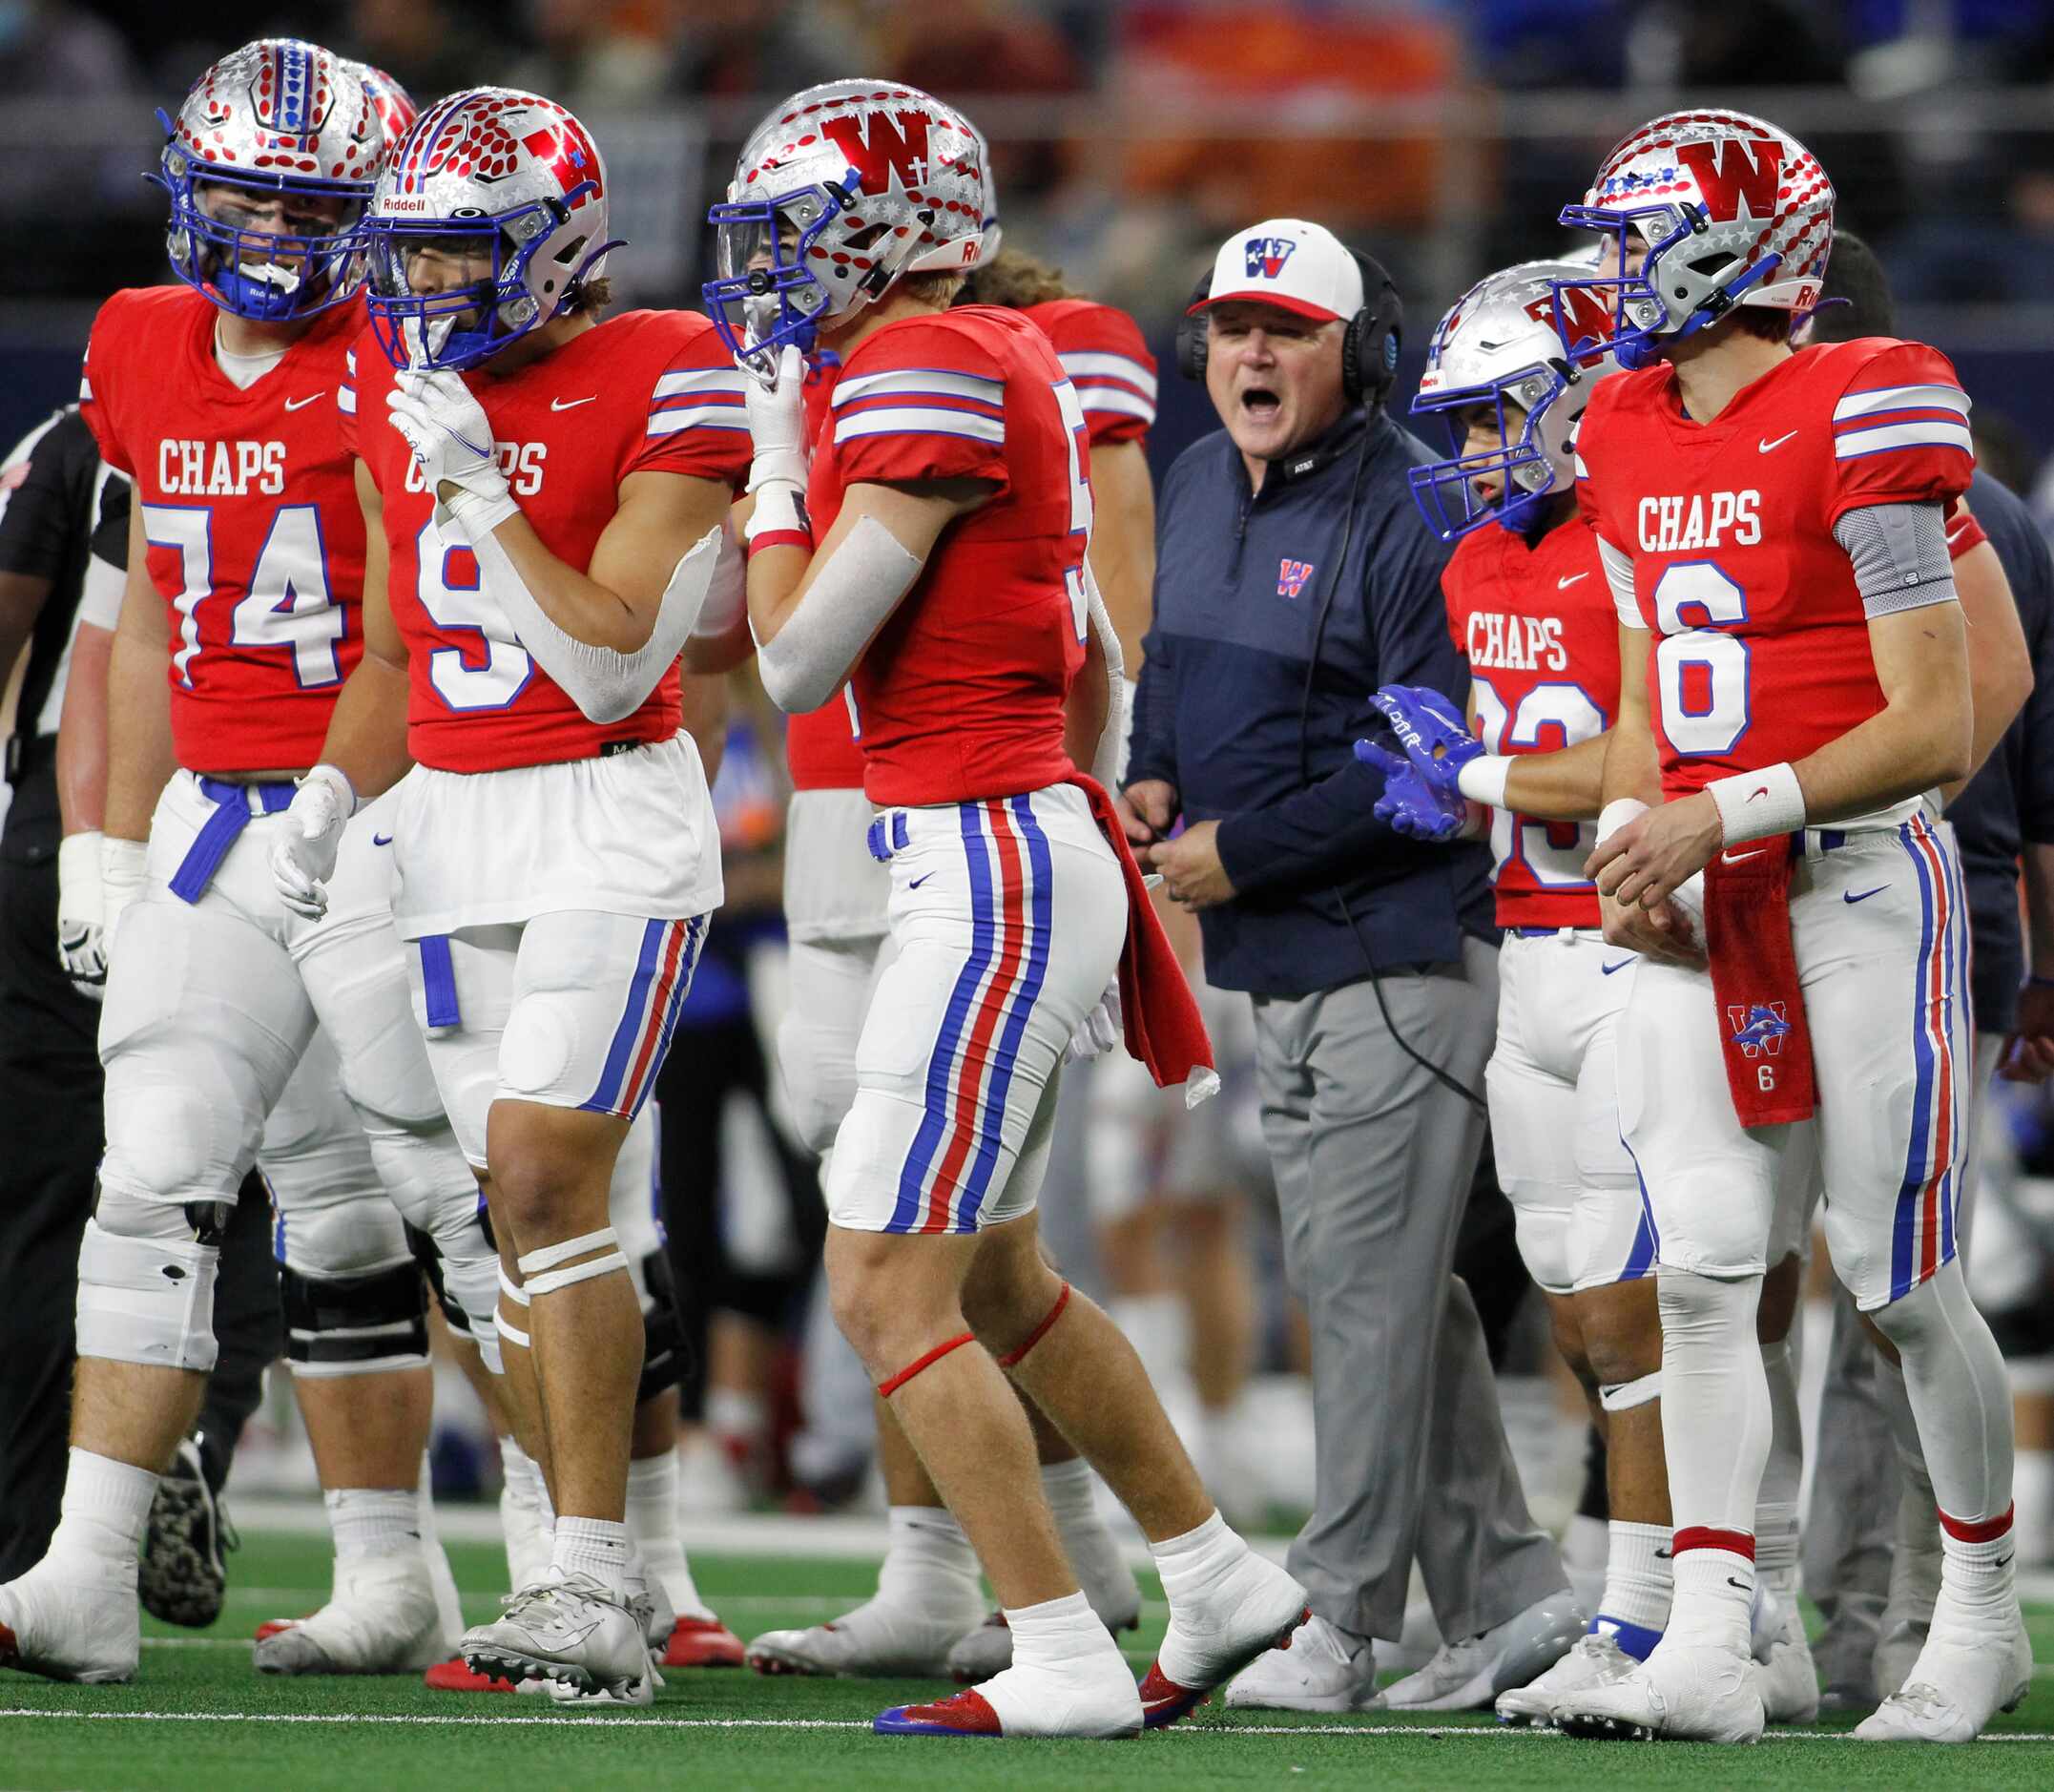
<point>199,1719</point>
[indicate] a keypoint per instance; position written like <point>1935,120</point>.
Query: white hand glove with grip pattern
<point>451,438</point>
<point>777,412</point>
<point>305,844</point>
<point>122,863</point>
<point>82,913</point>
<point>1100,1030</point>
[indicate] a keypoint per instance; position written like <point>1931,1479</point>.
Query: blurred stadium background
<point>1443,135</point>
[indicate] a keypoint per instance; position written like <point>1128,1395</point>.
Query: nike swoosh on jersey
<point>1769,448</point>
<point>917,881</point>
<point>380,840</point>
<point>1850,896</point>
<point>300,403</point>
<point>1608,970</point>
<point>1563,584</point>
<point>572,404</point>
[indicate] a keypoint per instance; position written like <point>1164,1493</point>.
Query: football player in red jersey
<point>547,495</point>
<point>949,590</point>
<point>928,1615</point>
<point>1795,693</point>
<point>1529,608</point>
<point>245,560</point>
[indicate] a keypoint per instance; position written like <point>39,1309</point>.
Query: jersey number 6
<point>1701,671</point>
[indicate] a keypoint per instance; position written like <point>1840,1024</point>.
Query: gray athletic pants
<point>1373,1159</point>
<point>1850,1533</point>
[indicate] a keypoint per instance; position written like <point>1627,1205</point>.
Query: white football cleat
<point>1325,1669</point>
<point>567,1627</point>
<point>74,1618</point>
<point>382,1618</point>
<point>1963,1678</point>
<point>1692,1692</point>
<point>1786,1676</point>
<point>1087,1695</point>
<point>1469,1674</point>
<point>1596,1659</point>
<point>1250,1607</point>
<point>877,1641</point>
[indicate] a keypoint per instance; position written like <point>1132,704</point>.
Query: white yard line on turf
<point>1493,1730</point>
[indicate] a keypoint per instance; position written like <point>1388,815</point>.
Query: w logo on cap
<point>1267,255</point>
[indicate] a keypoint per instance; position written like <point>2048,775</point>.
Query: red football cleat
<point>455,1676</point>
<point>1163,1701</point>
<point>966,1713</point>
<point>703,1642</point>
<point>271,1626</point>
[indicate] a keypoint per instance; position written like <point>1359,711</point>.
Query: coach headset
<point>1369,347</point>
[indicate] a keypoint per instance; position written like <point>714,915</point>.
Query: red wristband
<point>781,538</point>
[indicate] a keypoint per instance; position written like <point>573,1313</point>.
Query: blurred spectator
<point>51,49</point>
<point>1953,254</point>
<point>430,47</point>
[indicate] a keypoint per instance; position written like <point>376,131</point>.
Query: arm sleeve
<point>41,495</point>
<point>932,406</point>
<point>1328,830</point>
<point>1900,555</point>
<point>1899,432</point>
<point>1102,352</point>
<point>1618,567</point>
<point>698,424</point>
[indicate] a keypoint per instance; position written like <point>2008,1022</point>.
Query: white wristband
<point>1755,804</point>
<point>1617,813</point>
<point>1483,780</point>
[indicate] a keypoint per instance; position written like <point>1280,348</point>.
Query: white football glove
<point>121,881</point>
<point>776,410</point>
<point>451,438</point>
<point>304,845</point>
<point>82,913</point>
<point>1100,1030</point>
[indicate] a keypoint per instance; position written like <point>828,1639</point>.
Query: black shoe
<point>182,1576</point>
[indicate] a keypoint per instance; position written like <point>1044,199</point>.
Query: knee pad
<point>537,1048</point>
<point>665,1354</point>
<point>170,1142</point>
<point>467,1288</point>
<point>818,1067</point>
<point>146,1273</point>
<point>355,1325</point>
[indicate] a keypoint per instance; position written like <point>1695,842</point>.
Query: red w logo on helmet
<point>881,145</point>
<point>1736,172</point>
<point>1577,314</point>
<point>565,150</point>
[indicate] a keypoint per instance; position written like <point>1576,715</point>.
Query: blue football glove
<point>1432,731</point>
<point>1410,804</point>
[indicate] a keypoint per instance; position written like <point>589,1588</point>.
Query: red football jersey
<point>1101,350</point>
<point>648,392</point>
<point>1763,651</point>
<point>249,506</point>
<point>1537,624</point>
<point>961,694</point>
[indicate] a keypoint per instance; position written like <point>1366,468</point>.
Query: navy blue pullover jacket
<point>1241,577</point>
<point>2013,795</point>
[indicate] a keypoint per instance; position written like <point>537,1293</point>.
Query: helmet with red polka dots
<point>276,121</point>
<point>839,191</point>
<point>506,184</point>
<point>1732,211</point>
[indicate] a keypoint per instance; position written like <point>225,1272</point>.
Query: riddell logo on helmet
<point>399,202</point>
<point>1267,255</point>
<point>1736,176</point>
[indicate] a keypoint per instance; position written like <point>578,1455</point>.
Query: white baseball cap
<point>1290,263</point>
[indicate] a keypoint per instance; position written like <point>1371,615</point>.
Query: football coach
<point>1293,578</point>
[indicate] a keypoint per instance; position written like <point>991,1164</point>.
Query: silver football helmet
<point>507,183</point>
<point>1505,343</point>
<point>278,117</point>
<point>839,191</point>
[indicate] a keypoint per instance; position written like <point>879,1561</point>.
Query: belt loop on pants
<point>1814,843</point>
<point>231,816</point>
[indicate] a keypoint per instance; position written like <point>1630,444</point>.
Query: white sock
<point>1055,1633</point>
<point>1775,1507</point>
<point>105,1506</point>
<point>1108,1584</point>
<point>1639,1581</point>
<point>652,1524</point>
<point>927,1559</point>
<point>1715,1600</point>
<point>597,1547</point>
<point>1960,1395</point>
<point>1190,1563</point>
<point>374,1521</point>
<point>1979,1574</point>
